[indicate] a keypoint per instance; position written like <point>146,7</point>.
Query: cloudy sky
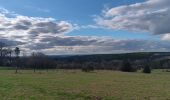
<point>86,26</point>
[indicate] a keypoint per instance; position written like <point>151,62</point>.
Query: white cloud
<point>166,37</point>
<point>150,16</point>
<point>50,36</point>
<point>28,29</point>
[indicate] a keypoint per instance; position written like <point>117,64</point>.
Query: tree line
<point>37,60</point>
<point>10,57</point>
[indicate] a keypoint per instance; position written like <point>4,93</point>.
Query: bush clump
<point>147,69</point>
<point>127,67</point>
<point>87,68</point>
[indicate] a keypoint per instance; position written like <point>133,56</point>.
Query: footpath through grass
<point>77,85</point>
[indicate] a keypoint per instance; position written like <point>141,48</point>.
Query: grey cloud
<point>82,44</point>
<point>69,41</point>
<point>25,22</point>
<point>10,42</point>
<point>39,46</point>
<point>33,33</point>
<point>20,27</point>
<point>52,27</point>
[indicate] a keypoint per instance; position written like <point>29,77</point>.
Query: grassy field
<point>77,85</point>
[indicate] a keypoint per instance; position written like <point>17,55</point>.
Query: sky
<point>86,26</point>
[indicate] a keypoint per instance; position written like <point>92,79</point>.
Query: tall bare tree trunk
<point>34,68</point>
<point>10,58</point>
<point>16,70</point>
<point>17,52</point>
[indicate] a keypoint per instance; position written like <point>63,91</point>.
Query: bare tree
<point>2,45</point>
<point>10,55</point>
<point>36,60</point>
<point>17,53</point>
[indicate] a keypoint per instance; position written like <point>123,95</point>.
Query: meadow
<point>77,85</point>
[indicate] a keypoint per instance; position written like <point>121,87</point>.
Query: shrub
<point>87,68</point>
<point>147,69</point>
<point>126,67</point>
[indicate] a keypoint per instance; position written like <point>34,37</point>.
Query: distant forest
<point>10,57</point>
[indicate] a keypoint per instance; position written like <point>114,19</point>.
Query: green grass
<point>77,85</point>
